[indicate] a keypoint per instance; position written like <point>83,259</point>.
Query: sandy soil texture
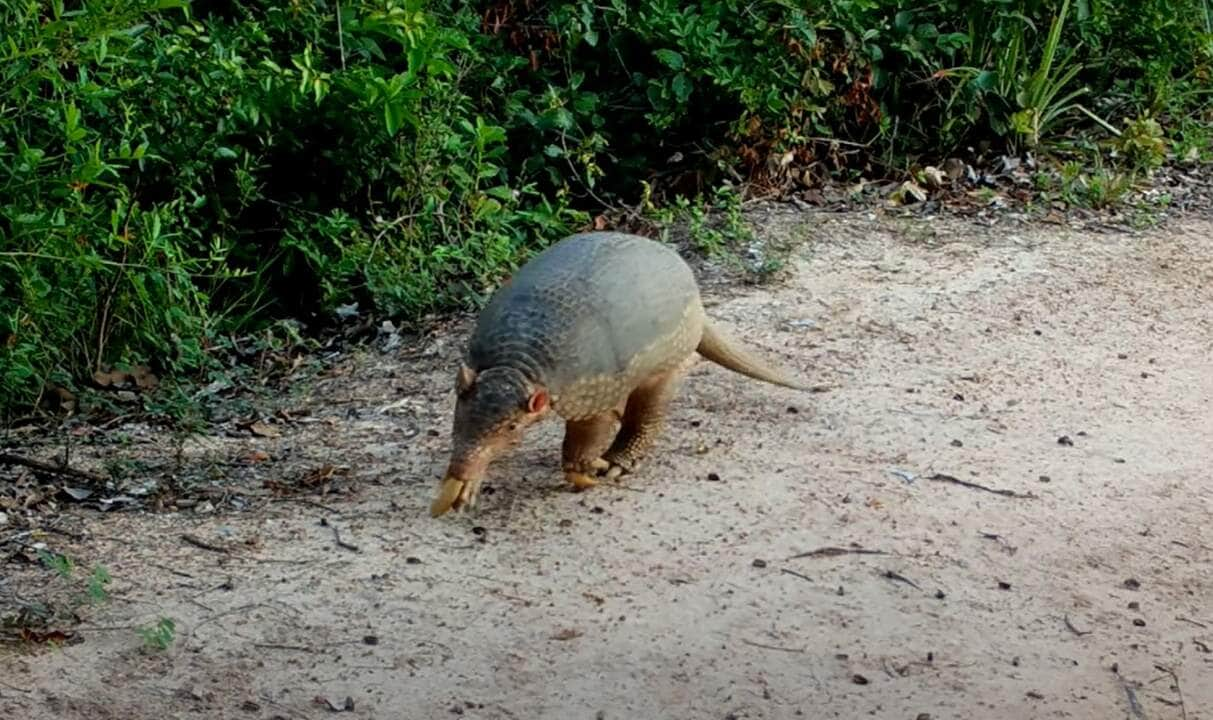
<point>1001,510</point>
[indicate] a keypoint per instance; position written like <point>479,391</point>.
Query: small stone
<point>759,563</point>
<point>957,443</point>
<point>1132,584</point>
<point>713,477</point>
<point>1139,622</point>
<point>1065,440</point>
<point>1004,585</point>
<point>1045,478</point>
<point>859,679</point>
<point>412,560</point>
<point>939,595</point>
<point>370,640</point>
<point>1134,605</point>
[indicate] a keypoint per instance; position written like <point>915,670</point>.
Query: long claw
<point>451,493</point>
<point>614,472</point>
<point>581,481</point>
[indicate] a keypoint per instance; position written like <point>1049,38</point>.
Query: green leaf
<point>669,58</point>
<point>501,192</point>
<point>682,87</point>
<point>393,117</point>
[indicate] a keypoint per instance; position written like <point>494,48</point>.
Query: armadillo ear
<point>538,402</point>
<point>465,379</point>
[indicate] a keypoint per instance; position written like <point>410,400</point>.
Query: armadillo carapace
<point>598,328</point>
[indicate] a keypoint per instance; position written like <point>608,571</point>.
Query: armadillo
<point>598,328</point>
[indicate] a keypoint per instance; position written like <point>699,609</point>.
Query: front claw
<point>580,480</point>
<point>616,466</point>
<point>455,494</point>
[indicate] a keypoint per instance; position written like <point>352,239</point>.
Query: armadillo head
<point>493,408</point>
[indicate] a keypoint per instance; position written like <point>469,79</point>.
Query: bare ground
<point>1081,589</point>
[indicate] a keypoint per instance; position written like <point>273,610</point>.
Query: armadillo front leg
<point>643,421</point>
<point>584,441</point>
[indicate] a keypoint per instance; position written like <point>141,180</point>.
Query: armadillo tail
<point>723,350</point>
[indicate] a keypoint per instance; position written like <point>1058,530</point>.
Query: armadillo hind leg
<point>584,442</point>
<point>643,420</point>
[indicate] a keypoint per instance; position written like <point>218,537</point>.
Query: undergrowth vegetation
<point>174,176</point>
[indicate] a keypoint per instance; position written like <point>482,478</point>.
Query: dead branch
<point>940,477</point>
<point>835,551</point>
<point>1134,704</point>
<point>62,471</point>
<point>772,647</point>
<point>200,543</point>
<point>1183,709</point>
<point>897,577</point>
<point>1076,631</point>
<point>337,537</point>
<point>793,572</point>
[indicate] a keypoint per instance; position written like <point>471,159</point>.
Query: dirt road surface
<point>1001,509</point>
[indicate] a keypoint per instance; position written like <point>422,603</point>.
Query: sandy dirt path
<point>1071,372</point>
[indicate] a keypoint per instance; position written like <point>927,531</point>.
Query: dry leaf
<point>111,378</point>
<point>567,634</point>
<point>933,176</point>
<point>144,378</point>
<point>906,193</point>
<point>264,429</point>
<point>257,456</point>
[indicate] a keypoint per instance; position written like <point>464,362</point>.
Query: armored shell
<point>589,317</point>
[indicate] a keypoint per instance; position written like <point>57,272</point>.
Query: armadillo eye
<point>513,427</point>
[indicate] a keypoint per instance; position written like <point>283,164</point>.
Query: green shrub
<point>169,175</point>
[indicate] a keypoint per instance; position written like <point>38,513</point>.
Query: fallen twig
<point>168,569</point>
<point>1183,709</point>
<point>21,460</point>
<point>834,551</point>
<point>200,543</point>
<point>337,537</point>
<point>900,578</point>
<point>15,688</point>
<point>772,647</point>
<point>307,501</point>
<point>1193,622</point>
<point>793,572</point>
<point>1075,630</point>
<point>1134,704</point>
<point>276,646</point>
<point>940,477</point>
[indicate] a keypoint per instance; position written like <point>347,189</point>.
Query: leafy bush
<point>168,177</point>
